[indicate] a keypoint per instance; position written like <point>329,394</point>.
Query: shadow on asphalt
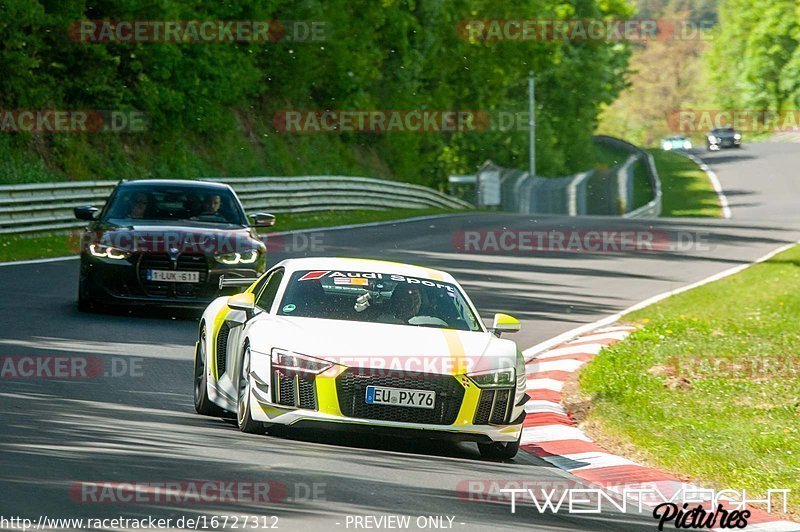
<point>110,436</point>
<point>723,157</point>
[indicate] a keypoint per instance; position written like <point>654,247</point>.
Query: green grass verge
<point>685,187</point>
<point>64,244</point>
<point>709,387</point>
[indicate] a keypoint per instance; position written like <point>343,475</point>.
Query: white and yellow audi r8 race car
<point>365,345</point>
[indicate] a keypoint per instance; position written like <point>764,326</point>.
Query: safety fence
<point>48,207</point>
<point>612,191</point>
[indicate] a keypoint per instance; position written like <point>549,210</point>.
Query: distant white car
<point>368,345</point>
<point>676,142</point>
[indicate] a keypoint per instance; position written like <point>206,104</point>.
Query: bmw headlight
<point>737,136</point>
<point>502,378</point>
<point>108,252</point>
<point>246,257</point>
<point>295,362</point>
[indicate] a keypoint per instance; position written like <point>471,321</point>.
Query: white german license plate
<point>378,395</point>
<point>173,276</point>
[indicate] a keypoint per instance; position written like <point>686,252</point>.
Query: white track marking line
<point>590,349</point>
<point>623,328</point>
<point>544,384</point>
<point>616,335</point>
<point>715,184</point>
<point>545,433</point>
<point>563,337</point>
<point>540,406</point>
<point>568,365</point>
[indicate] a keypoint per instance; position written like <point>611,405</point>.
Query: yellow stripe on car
<point>470,404</point>
<point>458,362</point>
<point>219,319</point>
<point>327,399</point>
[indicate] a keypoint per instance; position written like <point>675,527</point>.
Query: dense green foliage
<point>210,106</point>
<point>666,75</point>
<point>700,12</point>
<point>756,54</point>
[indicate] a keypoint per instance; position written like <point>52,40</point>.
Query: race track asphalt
<point>141,427</point>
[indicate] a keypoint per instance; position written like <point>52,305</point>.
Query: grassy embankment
<point>709,386</point>
<point>686,190</point>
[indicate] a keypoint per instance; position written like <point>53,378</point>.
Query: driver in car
<point>403,306</point>
<point>137,205</point>
<point>211,205</point>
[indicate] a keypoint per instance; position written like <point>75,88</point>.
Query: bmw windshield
<point>213,205</point>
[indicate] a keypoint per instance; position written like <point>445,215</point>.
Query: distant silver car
<point>676,142</point>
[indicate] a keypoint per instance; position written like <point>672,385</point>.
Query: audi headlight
<point>287,360</point>
<point>246,257</point>
<point>108,252</point>
<point>503,378</point>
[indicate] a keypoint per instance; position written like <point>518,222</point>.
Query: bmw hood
<point>186,237</point>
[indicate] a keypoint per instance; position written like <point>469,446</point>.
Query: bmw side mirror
<point>262,219</point>
<point>87,213</point>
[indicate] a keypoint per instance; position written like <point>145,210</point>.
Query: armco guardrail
<point>48,207</point>
<point>595,192</point>
<point>651,209</point>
